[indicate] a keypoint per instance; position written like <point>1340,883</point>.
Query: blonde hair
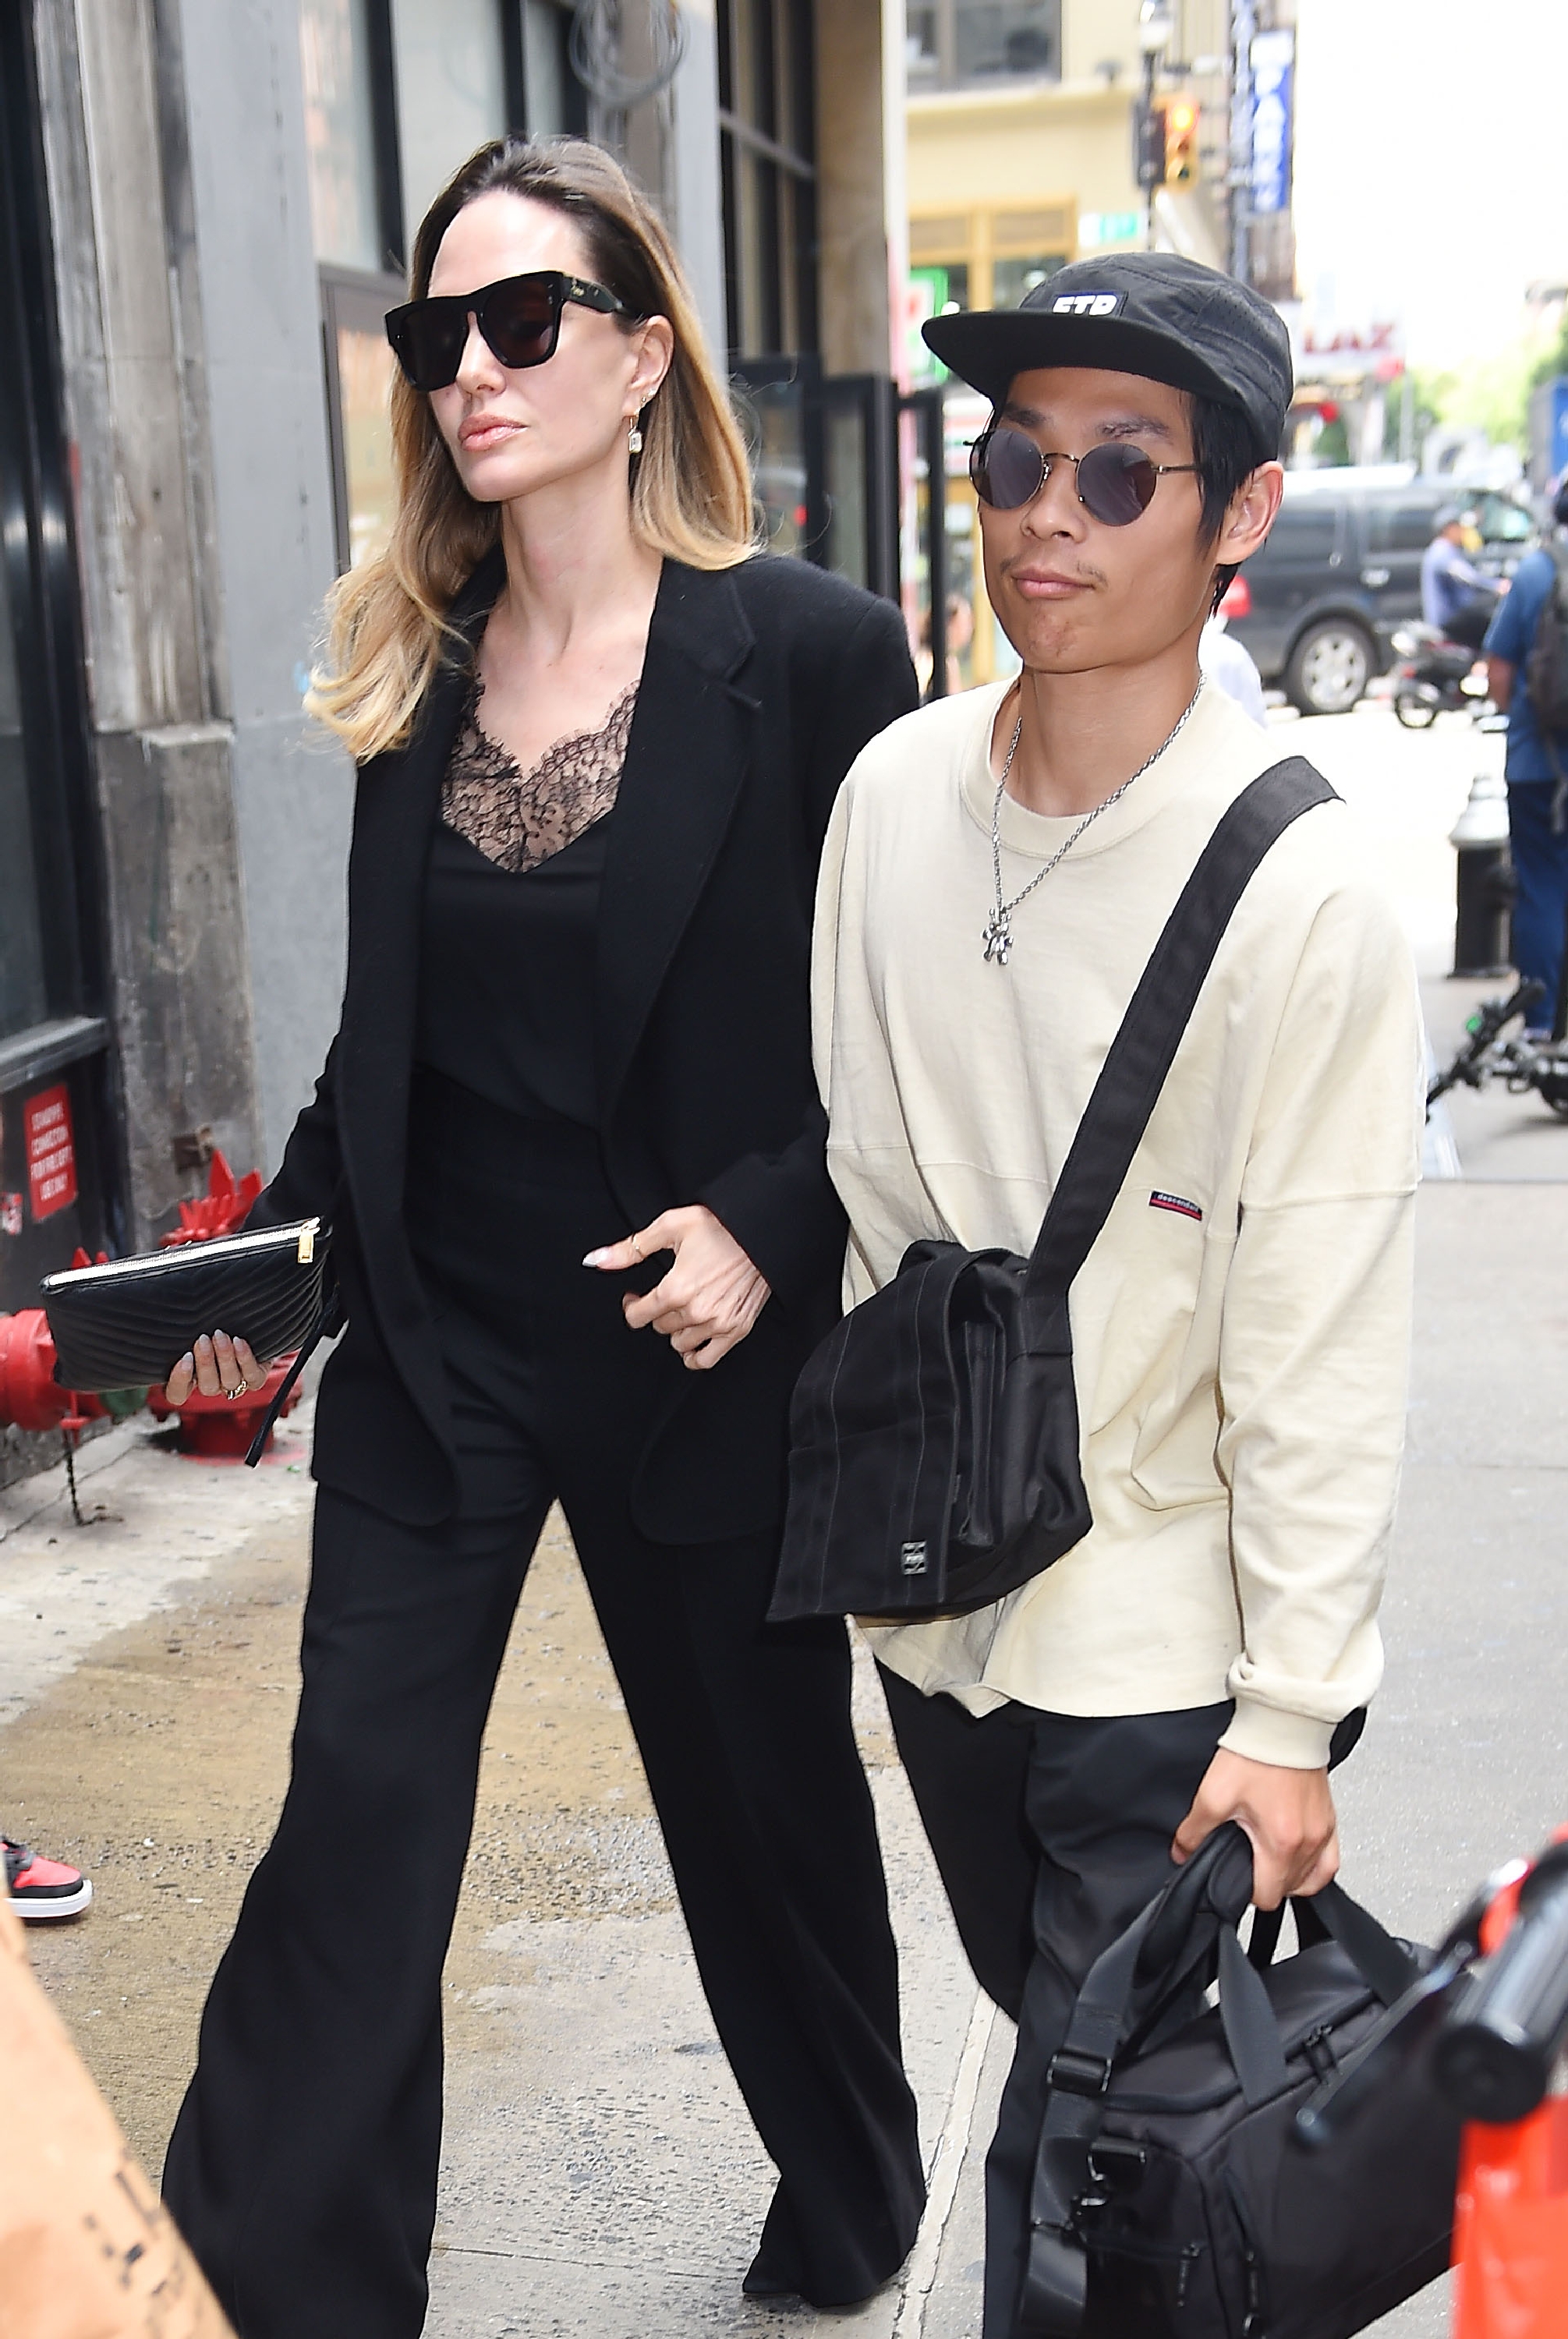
<point>690,485</point>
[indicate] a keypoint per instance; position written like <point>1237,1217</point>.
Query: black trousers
<point>303,2165</point>
<point>1050,1832</point>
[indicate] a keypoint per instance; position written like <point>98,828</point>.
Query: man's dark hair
<point>1225,453</point>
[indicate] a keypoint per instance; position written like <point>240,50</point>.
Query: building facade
<point>1024,153</point>
<point>204,212</point>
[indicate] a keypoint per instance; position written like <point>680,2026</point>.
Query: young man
<point>998,871</point>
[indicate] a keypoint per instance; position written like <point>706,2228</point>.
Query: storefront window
<point>768,168</point>
<point>360,370</point>
<point>451,91</point>
<point>54,1090</point>
<point>950,42</point>
<point>1010,279</point>
<point>22,995</point>
<point>922,42</point>
<point>398,94</point>
<point>1016,37</point>
<point>365,366</point>
<point>774,417</point>
<point>340,130</point>
<point>546,29</point>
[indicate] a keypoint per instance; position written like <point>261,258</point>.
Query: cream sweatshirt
<point>1241,1327</point>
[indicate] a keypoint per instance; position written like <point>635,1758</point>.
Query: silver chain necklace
<point>997,934</point>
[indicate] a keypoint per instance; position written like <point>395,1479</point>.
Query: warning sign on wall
<point>51,1147</point>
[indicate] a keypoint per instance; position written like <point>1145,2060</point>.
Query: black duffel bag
<point>935,1447</point>
<point>1171,2198</point>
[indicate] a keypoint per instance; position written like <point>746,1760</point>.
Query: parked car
<point>1318,606</point>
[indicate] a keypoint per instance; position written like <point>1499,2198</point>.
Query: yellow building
<point>1020,126</point>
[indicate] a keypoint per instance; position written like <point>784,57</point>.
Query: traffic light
<point>1148,146</point>
<point>1181,142</point>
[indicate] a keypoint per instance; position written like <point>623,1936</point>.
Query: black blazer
<point>761,684</point>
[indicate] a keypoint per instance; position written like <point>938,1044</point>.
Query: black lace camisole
<point>511,916</point>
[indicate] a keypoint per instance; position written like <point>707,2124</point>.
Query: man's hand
<point>710,1299</point>
<point>1288,1814</point>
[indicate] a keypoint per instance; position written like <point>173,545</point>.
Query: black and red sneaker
<point>42,1888</point>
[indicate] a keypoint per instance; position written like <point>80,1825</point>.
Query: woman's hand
<point>215,1367</point>
<point>710,1299</point>
<point>1288,1814</point>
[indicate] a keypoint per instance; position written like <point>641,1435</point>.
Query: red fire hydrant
<point>30,1395</point>
<point>222,1210</point>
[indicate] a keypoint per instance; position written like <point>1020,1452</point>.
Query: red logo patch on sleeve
<point>1177,1202</point>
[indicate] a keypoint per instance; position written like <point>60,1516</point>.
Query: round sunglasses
<point>520,318</point>
<point>1114,482</point>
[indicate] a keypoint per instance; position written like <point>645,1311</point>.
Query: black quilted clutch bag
<point>128,1324</point>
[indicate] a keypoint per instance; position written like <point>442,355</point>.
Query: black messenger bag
<point>1171,2199</point>
<point>934,1444</point>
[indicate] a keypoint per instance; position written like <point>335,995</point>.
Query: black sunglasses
<point>1114,482</point>
<point>520,318</point>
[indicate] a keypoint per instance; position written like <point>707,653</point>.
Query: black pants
<point>1050,1833</point>
<point>303,2164</point>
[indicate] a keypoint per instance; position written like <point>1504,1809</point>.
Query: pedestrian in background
<point>570,1143</point>
<point>1230,666</point>
<point>1536,768</point>
<point>997,873</point>
<point>1457,596</point>
<point>43,1890</point>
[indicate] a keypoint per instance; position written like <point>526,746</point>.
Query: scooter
<point>1521,1064</point>
<point>1434,676</point>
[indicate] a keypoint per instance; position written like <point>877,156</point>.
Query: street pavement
<point>600,2174</point>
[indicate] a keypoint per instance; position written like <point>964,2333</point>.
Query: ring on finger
<point>637,1248</point>
<point>237,1391</point>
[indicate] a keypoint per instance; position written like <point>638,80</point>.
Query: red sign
<point>51,1147</point>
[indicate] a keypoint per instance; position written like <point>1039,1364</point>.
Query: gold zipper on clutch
<point>302,1235</point>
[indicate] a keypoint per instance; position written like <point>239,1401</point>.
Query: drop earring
<point>635,435</point>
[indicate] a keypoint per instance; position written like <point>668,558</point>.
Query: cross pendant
<point>998,938</point>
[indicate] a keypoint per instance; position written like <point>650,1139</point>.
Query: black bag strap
<point>1054,2288</point>
<point>329,1322</point>
<point>1141,1054</point>
<point>1331,1915</point>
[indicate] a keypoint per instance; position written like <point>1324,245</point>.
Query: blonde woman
<point>570,1147</point>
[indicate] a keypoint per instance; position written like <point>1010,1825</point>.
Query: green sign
<point>1099,230</point>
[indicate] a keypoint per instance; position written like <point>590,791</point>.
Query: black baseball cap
<point>1153,313</point>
